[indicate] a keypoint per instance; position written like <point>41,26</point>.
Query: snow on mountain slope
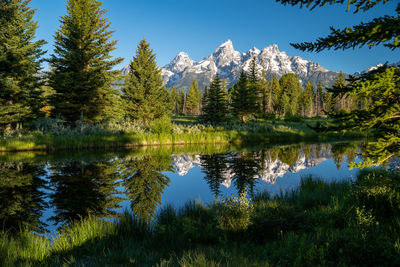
<point>228,63</point>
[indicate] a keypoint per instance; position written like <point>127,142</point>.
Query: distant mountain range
<point>228,63</point>
<point>273,169</point>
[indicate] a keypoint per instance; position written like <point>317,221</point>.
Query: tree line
<point>81,82</point>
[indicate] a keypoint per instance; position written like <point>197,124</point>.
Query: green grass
<point>326,224</point>
<point>182,131</point>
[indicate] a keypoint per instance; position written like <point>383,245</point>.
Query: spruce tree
<point>291,91</point>
<point>243,98</point>
<point>265,97</point>
<point>308,99</point>
<point>19,63</point>
<point>380,88</point>
<point>145,96</point>
<point>81,64</point>
<point>276,91</point>
<point>215,109</point>
<point>173,96</point>
<point>181,101</point>
<point>192,99</point>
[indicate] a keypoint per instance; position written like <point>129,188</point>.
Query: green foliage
<point>144,183</point>
<point>192,104</point>
<point>308,97</point>
<point>234,214</point>
<point>381,30</point>
<point>215,105</point>
<point>291,92</point>
<point>19,63</point>
<point>145,96</point>
<point>378,191</point>
<point>81,65</point>
<point>161,125</point>
<point>244,97</point>
<point>378,90</point>
<point>329,224</point>
<point>382,112</point>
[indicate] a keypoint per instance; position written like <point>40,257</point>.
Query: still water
<point>46,191</point>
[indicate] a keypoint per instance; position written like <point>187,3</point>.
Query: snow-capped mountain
<point>273,168</point>
<point>228,63</point>
<point>359,73</point>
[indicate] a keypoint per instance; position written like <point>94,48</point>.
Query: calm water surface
<point>49,191</point>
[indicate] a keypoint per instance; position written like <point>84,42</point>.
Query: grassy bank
<point>339,223</point>
<point>52,135</point>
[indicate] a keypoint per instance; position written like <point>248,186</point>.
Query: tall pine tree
<point>19,63</point>
<point>81,65</point>
<point>193,99</point>
<point>308,99</point>
<point>291,91</point>
<point>145,96</point>
<point>380,88</point>
<point>243,98</point>
<point>215,107</point>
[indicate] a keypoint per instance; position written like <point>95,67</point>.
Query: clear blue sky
<point>198,27</point>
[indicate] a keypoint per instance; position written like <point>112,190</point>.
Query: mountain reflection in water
<point>45,192</point>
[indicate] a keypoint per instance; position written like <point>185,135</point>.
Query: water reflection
<point>21,196</point>
<point>144,182</point>
<point>47,193</point>
<point>81,188</point>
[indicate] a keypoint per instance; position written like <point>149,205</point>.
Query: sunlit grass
<point>320,223</point>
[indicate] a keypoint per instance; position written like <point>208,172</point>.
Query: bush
<point>293,118</point>
<point>234,214</point>
<point>161,125</point>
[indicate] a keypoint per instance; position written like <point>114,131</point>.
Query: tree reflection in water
<point>76,188</point>
<point>21,196</point>
<point>82,188</point>
<point>144,183</point>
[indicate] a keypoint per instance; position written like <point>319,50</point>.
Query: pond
<point>46,191</point>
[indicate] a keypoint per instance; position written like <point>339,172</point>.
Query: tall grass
<point>51,134</point>
<point>329,224</point>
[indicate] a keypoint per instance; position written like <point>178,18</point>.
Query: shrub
<point>234,213</point>
<point>161,125</point>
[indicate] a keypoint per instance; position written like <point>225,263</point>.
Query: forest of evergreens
<point>82,102</point>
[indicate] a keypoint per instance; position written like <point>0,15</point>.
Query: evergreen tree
<point>339,85</point>
<point>81,64</point>
<point>380,87</point>
<point>214,166</point>
<point>319,99</point>
<point>308,99</point>
<point>145,96</point>
<point>265,97</point>
<point>276,92</point>
<point>144,183</point>
<point>291,91</point>
<point>173,96</point>
<point>22,196</point>
<point>19,63</point>
<point>245,171</point>
<point>192,99</point>
<point>83,188</point>
<point>243,98</point>
<point>215,109</point>
<point>181,101</point>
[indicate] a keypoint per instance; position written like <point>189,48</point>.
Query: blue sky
<point>198,27</point>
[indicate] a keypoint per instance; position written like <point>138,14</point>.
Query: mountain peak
<point>229,63</point>
<point>227,43</point>
<point>180,62</point>
<point>272,49</point>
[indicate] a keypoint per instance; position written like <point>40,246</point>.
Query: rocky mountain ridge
<point>228,63</point>
<point>272,170</point>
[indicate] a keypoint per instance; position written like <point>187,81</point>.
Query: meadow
<point>54,134</point>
